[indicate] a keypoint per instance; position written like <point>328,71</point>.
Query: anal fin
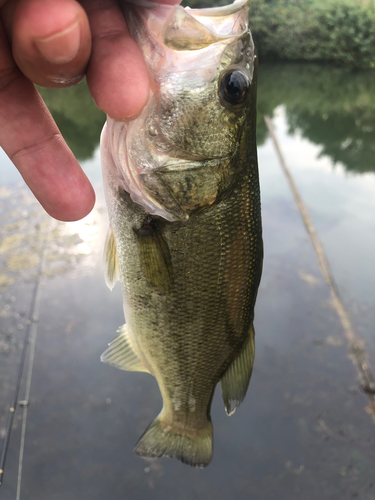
<point>121,354</point>
<point>236,378</point>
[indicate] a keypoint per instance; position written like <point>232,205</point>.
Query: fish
<point>185,239</point>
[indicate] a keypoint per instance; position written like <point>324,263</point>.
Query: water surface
<point>305,428</point>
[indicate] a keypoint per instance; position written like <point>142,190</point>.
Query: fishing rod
<point>31,322</point>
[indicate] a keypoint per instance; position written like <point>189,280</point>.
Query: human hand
<point>53,43</point>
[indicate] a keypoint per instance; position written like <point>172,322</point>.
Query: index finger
<point>31,139</point>
<point>117,74</point>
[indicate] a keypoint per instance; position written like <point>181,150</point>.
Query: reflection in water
<point>69,245</point>
<point>302,433</point>
<point>332,107</point>
<point>26,232</point>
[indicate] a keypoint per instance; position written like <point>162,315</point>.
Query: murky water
<point>305,429</point>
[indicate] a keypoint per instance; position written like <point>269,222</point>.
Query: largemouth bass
<point>182,189</point>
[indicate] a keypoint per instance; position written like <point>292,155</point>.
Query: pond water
<point>306,428</point>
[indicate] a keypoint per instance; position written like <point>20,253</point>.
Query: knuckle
<point>43,145</point>
<point>8,76</point>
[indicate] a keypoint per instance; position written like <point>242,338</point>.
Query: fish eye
<point>234,87</point>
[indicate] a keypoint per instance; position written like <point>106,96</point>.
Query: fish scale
<point>188,243</point>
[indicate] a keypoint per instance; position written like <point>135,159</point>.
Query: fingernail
<point>65,80</point>
<point>62,47</point>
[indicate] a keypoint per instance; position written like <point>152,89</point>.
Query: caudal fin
<point>162,440</point>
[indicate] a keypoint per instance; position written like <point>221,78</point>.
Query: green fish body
<point>182,189</point>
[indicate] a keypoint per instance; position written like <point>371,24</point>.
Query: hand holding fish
<point>54,44</point>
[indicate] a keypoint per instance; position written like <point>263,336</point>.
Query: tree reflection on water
<point>77,117</point>
<point>331,107</point>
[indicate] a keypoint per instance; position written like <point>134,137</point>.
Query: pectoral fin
<point>155,256</point>
<point>121,354</point>
<point>236,378</point>
<point>111,272</point>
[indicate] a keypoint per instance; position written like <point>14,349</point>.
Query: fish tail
<point>163,440</point>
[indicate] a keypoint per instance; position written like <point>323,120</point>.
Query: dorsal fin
<point>111,272</point>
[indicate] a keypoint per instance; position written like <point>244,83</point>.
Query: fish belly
<point>189,333</point>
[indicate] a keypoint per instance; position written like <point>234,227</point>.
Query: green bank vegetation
<point>342,31</point>
<point>339,31</point>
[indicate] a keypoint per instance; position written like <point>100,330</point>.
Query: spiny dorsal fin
<point>121,354</point>
<point>111,271</point>
<point>155,256</point>
<point>236,378</point>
